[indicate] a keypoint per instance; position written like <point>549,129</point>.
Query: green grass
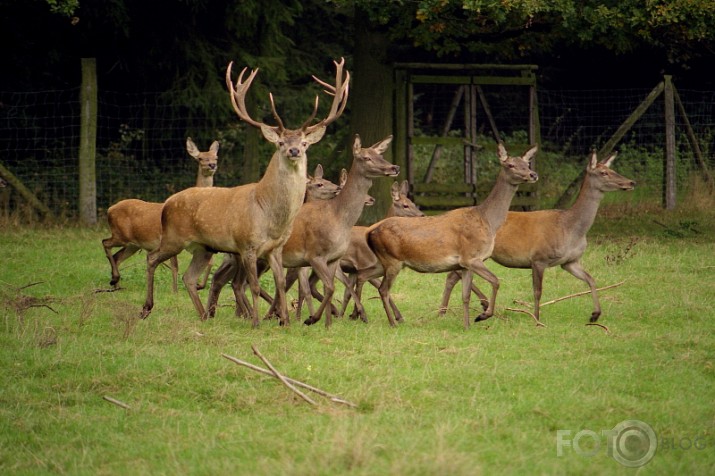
<point>432,398</point>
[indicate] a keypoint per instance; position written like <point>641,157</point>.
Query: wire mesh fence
<point>141,139</point>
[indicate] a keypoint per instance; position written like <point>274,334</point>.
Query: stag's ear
<point>609,160</point>
<point>501,152</point>
<point>271,134</point>
<point>530,153</point>
<point>214,147</point>
<point>395,191</point>
<point>382,146</point>
<point>357,145</point>
<point>315,136</point>
<point>191,148</point>
<point>318,171</point>
<point>343,178</point>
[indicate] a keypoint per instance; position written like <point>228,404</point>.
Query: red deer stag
<point>254,220</point>
<point>321,230</point>
<point>459,239</point>
<point>546,238</point>
<point>136,224</point>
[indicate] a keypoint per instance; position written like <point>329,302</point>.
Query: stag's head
<point>518,169</point>
<point>604,178</point>
<point>292,143</point>
<point>208,161</point>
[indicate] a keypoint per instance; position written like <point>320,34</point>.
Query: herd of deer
<point>289,219</point>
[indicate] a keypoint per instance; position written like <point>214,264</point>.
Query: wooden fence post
<point>669,189</point>
<point>88,143</point>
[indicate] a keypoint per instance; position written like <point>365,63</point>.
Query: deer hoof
<point>594,316</point>
<point>310,321</point>
<point>146,310</point>
<point>482,317</point>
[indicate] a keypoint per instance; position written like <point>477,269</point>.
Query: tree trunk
<point>371,96</point>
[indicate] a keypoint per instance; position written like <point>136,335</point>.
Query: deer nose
<point>212,166</point>
<point>396,170</point>
<point>294,152</point>
<point>534,176</point>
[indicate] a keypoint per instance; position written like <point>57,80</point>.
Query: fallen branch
<point>117,402</point>
<point>579,294</point>
<point>297,383</point>
<point>281,378</point>
<point>538,322</point>
<point>599,325</point>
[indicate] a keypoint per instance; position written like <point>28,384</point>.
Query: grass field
<point>432,398</point>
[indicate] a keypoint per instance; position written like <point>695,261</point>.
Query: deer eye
<point>304,144</point>
<point>318,185</point>
<point>511,166</point>
<point>281,143</point>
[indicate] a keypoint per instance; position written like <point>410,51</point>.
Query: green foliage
<point>432,398</point>
<point>63,7</point>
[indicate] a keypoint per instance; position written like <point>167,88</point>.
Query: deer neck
<point>281,190</point>
<point>351,200</point>
<point>204,181</point>
<point>495,207</point>
<point>583,212</point>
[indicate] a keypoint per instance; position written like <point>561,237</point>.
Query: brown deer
<point>459,239</point>
<point>136,224</point>
<point>253,220</point>
<point>546,238</point>
<point>321,231</point>
<point>317,188</point>
<point>360,257</point>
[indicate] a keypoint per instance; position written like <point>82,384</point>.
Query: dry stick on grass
<point>539,323</point>
<point>282,378</point>
<point>117,402</point>
<point>297,383</point>
<point>580,294</point>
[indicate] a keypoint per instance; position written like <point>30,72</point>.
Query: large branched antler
<point>238,98</point>
<point>340,97</point>
<point>339,92</point>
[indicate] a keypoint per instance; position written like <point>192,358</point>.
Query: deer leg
<point>205,279</point>
<point>303,292</point>
<point>174,266</point>
<point>200,259</point>
<point>154,259</point>
<point>116,259</point>
<point>316,294</point>
<point>478,267</point>
<point>449,283</point>
<point>537,282</point>
<point>275,261</point>
<point>391,273</point>
<point>577,270</point>
<point>225,272</point>
<point>466,294</point>
<point>326,273</point>
<point>249,262</point>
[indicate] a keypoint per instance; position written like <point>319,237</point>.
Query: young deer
<point>321,230</point>
<point>136,224</point>
<point>546,238</point>
<point>360,257</point>
<point>254,220</point>
<point>459,239</point>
